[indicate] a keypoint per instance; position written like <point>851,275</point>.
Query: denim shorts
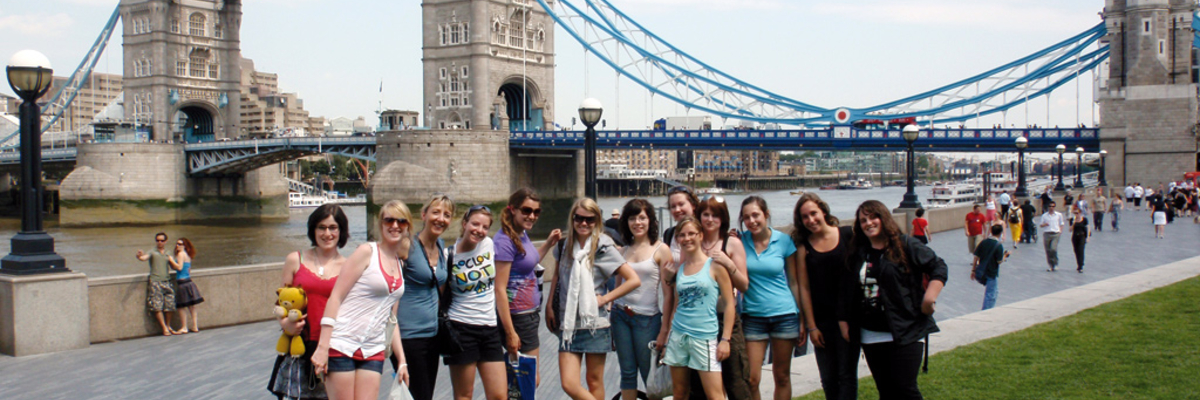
<point>347,364</point>
<point>588,341</point>
<point>786,326</point>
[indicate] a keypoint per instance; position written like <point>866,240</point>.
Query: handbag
<point>522,376</point>
<point>447,340</point>
<point>658,383</point>
<point>979,273</point>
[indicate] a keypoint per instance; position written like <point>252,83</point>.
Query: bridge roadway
<point>234,362</point>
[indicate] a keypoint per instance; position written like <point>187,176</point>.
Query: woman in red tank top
<point>315,270</point>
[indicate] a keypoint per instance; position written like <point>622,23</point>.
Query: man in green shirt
<point>160,295</point>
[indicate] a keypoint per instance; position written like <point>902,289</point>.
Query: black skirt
<point>187,294</point>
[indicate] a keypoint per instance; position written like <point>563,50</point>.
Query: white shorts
<point>690,352</point>
<point>1160,218</point>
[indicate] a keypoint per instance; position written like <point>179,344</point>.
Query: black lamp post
<point>1060,149</point>
<point>1079,168</point>
<point>1021,191</point>
<point>1103,181</point>
<point>30,76</point>
<point>589,112</point>
<point>910,198</point>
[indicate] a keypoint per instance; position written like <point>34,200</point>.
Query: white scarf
<point>581,297</point>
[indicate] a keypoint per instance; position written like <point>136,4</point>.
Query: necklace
<point>321,267</point>
<point>708,248</point>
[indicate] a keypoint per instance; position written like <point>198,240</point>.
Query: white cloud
<point>992,15</point>
<point>46,25</point>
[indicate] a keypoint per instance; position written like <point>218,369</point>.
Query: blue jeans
<point>1116,220</point>
<point>990,293</point>
<point>632,335</point>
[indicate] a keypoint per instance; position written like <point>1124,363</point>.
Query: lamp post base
<point>910,201</point>
<point>32,253</point>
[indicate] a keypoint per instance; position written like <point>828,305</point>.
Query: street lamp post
<point>30,76</point>
<point>910,198</point>
<point>1103,155</point>
<point>1079,168</point>
<point>1060,149</point>
<point>590,111</point>
<point>1021,191</point>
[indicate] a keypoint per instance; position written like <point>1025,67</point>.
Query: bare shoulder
<point>735,245</point>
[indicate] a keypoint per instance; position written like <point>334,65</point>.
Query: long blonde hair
<point>589,205</point>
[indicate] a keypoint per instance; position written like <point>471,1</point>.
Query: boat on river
<point>304,200</point>
<point>953,194</point>
<point>854,184</point>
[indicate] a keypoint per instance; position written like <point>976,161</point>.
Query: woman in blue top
<point>696,343</point>
<point>188,295</point>
<point>769,309</point>
<point>424,279</point>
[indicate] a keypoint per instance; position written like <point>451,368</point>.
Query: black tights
<point>1079,243</point>
<point>895,369</point>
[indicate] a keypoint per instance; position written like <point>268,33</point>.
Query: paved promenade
<point>233,362</point>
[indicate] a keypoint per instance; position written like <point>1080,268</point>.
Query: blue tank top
<point>185,272</point>
<point>696,313</point>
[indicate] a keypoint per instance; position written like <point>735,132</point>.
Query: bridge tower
<point>1149,106</point>
<point>182,71</point>
<point>488,64</point>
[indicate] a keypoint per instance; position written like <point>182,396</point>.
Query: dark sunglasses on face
<point>531,211</point>
<point>388,221</point>
<point>579,219</point>
<point>160,240</point>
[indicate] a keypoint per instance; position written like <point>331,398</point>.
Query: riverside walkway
<point>234,362</point>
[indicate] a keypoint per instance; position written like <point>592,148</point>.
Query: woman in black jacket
<point>884,300</point>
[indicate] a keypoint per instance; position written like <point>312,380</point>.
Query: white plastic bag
<point>399,392</point>
<point>658,383</point>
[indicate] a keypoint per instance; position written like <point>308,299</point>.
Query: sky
<point>854,53</point>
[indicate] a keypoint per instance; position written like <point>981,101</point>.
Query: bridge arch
<point>523,100</point>
<point>195,121</point>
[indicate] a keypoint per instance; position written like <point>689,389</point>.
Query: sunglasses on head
<point>718,198</point>
<point>679,189</point>
<point>391,221</point>
<point>579,219</point>
<point>531,211</point>
<point>477,208</point>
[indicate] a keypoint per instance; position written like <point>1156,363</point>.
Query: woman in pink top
<point>353,338</point>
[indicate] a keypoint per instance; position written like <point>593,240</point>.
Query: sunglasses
<point>160,240</point>
<point>579,219</point>
<point>679,189</point>
<point>718,198</point>
<point>179,244</point>
<point>531,211</point>
<point>477,208</point>
<point>388,221</point>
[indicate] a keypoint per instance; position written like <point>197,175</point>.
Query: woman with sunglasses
<point>637,320</point>
<point>353,334</point>
<point>187,295</point>
<point>316,270</point>
<point>416,315</point>
<point>884,299</point>
<point>472,311</point>
<point>518,299</point>
<point>771,307</point>
<point>581,300</point>
<point>821,261</point>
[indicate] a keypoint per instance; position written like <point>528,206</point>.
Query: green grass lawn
<point>1143,347</point>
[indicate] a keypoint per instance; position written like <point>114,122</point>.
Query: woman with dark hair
<point>885,302</point>
<point>472,311</point>
<point>580,300</point>
<point>1080,235</point>
<point>771,306</point>
<point>717,244</point>
<point>517,296</point>
<point>187,296</point>
<point>315,270</point>
<point>822,248</point>
<point>920,225</point>
<point>637,319</point>
<point>354,338</point>
<point>417,314</point>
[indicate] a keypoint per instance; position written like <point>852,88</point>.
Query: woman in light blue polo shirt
<point>769,308</point>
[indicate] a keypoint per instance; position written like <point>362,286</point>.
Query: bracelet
<point>326,321</point>
<point>724,339</point>
<point>402,365</point>
<point>810,330</point>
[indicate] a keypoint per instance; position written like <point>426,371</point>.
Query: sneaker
<point>1080,270</point>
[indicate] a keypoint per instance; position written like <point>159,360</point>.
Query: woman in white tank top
<point>636,317</point>
<point>354,338</point>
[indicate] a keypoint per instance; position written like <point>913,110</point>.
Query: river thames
<point>107,251</point>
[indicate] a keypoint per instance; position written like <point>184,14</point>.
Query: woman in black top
<point>821,258</point>
<point>885,302</point>
<point>1080,234</point>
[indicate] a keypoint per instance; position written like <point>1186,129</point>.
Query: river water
<point>107,251</point>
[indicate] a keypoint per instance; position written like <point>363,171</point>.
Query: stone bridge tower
<point>488,64</point>
<point>182,71</point>
<point>1149,107</point>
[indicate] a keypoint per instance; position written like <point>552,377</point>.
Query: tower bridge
<point>489,94</point>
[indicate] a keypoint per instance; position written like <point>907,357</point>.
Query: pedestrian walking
<point>885,301</point>
<point>1028,228</point>
<point>1052,223</point>
<point>821,259</point>
<point>1114,209</point>
<point>160,295</point>
<point>1080,235</point>
<point>1099,206</point>
<point>1005,204</point>
<point>1158,215</point>
<point>920,226</point>
<point>990,209</point>
<point>973,227</point>
<point>187,295</point>
<point>990,253</point>
<point>1014,225</point>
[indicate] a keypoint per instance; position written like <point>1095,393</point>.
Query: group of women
<point>714,301</point>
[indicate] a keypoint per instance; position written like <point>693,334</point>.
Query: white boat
<point>712,190</point>
<point>854,184</point>
<point>302,200</point>
<point>356,200</point>
<point>950,195</point>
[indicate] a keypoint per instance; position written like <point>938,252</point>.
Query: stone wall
<point>554,174</point>
<point>469,166</point>
<point>130,171</point>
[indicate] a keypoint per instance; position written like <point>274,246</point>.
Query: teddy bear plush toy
<point>291,302</point>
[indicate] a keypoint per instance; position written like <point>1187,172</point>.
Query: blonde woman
<point>353,336</point>
<point>581,301</point>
